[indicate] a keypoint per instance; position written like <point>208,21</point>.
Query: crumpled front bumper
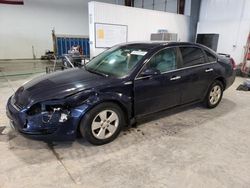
<point>33,126</point>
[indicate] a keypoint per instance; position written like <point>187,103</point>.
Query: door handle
<point>175,78</point>
<point>209,70</point>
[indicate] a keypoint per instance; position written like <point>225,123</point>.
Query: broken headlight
<point>50,113</point>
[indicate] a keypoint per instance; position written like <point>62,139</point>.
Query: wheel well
<point>123,108</point>
<point>223,81</point>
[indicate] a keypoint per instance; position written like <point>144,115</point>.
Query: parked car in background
<point>116,88</point>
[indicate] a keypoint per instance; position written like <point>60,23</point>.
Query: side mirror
<point>150,72</point>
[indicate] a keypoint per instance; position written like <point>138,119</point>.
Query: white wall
<point>24,26</point>
<point>31,24</point>
<point>141,22</point>
<point>231,20</point>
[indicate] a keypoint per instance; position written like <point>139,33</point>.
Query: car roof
<point>149,45</point>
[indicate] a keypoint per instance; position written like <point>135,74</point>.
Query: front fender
<point>125,102</point>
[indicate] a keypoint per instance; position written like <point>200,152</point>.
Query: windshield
<point>117,61</point>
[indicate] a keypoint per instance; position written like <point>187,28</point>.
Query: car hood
<point>57,86</point>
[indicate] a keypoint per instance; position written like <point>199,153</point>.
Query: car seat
<point>167,62</point>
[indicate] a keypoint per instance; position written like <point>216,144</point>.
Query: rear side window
<point>210,57</point>
<point>192,56</point>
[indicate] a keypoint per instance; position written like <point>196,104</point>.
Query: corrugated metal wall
<point>63,44</point>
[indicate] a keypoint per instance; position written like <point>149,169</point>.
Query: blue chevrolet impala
<point>116,88</point>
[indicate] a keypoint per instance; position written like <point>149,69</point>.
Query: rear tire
<point>102,124</point>
<point>214,95</point>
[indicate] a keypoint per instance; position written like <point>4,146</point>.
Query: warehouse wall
<point>161,5</point>
<point>231,20</point>
<point>24,26</point>
<point>141,22</point>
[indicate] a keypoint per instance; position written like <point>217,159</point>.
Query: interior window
<point>192,56</point>
<point>164,61</point>
<point>210,56</point>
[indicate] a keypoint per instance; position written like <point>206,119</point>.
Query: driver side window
<point>165,60</point>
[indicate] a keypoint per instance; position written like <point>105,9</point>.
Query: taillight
<point>233,63</point>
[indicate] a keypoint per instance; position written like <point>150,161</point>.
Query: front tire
<point>214,95</point>
<point>102,124</point>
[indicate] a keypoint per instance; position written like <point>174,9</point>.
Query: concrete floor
<point>22,67</point>
<point>187,147</point>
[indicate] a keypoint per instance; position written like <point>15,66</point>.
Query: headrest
<point>168,56</point>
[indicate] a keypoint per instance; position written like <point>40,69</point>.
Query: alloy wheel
<point>215,94</point>
<point>105,124</point>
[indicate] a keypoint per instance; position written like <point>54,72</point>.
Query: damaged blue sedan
<point>116,88</point>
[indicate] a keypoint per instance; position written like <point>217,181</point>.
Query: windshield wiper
<point>96,72</point>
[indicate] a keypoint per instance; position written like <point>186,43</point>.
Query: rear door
<point>198,73</point>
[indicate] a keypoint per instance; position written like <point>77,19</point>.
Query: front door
<point>157,92</point>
